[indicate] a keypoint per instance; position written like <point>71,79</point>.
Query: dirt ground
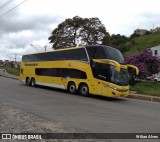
<point>14,120</point>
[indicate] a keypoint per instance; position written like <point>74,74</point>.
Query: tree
<point>106,39</point>
<point>118,39</point>
<point>134,35</point>
<point>120,42</point>
<point>146,62</point>
<point>78,31</point>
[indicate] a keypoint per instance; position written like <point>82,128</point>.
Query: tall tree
<point>78,31</point>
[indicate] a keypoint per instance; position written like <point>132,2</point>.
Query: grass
<point>146,88</point>
<point>13,71</point>
<point>142,42</point>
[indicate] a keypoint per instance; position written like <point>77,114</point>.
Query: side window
<point>155,52</point>
<point>61,72</point>
<point>100,54</point>
<point>91,52</point>
<point>77,74</point>
<point>26,58</point>
<point>96,52</point>
<point>38,71</point>
<point>73,73</point>
<point>47,72</point>
<point>29,58</point>
<point>101,71</point>
<point>79,54</point>
<point>64,72</point>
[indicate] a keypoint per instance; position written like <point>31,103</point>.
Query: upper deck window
<point>105,52</point>
<point>73,54</point>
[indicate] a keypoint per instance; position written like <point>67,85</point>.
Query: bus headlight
<point>119,90</point>
<point>122,90</point>
<point>114,88</point>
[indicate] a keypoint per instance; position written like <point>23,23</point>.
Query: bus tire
<point>71,87</point>
<point>28,82</point>
<point>83,89</point>
<point>33,82</point>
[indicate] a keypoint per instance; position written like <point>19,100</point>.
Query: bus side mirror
<point>133,67</point>
<point>110,62</point>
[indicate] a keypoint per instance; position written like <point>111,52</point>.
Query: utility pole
<point>45,47</point>
<point>15,57</point>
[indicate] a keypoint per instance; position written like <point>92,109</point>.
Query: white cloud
<point>33,21</point>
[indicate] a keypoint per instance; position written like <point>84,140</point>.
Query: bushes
<point>146,63</point>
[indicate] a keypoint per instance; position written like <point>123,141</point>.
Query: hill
<point>140,43</point>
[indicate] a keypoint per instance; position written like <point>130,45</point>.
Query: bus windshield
<point>114,54</point>
<point>108,73</point>
<point>119,78</point>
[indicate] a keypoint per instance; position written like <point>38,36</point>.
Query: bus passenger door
<point>101,73</point>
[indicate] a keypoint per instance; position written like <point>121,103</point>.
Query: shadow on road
<point>102,98</point>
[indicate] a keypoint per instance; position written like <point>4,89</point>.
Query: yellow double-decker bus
<point>96,69</point>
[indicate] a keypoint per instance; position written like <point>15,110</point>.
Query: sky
<point>26,28</point>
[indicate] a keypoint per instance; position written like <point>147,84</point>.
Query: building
<point>140,31</point>
<point>8,63</point>
<point>1,63</point>
<point>157,29</point>
<point>156,51</point>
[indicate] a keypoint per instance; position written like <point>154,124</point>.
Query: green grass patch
<point>140,43</point>
<point>146,88</point>
<point>13,71</point>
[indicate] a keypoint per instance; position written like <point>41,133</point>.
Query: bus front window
<point>119,78</point>
<point>108,73</point>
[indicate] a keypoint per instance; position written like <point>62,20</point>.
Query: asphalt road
<point>91,114</point>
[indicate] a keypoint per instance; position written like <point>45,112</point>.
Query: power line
<point>4,5</point>
<point>14,57</point>
<point>13,8</point>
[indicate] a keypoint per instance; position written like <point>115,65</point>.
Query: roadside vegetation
<point>142,42</point>
<point>146,88</point>
<point>13,71</point>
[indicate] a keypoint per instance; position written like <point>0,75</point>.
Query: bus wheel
<point>72,88</point>
<point>28,82</point>
<point>33,82</point>
<point>83,89</point>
